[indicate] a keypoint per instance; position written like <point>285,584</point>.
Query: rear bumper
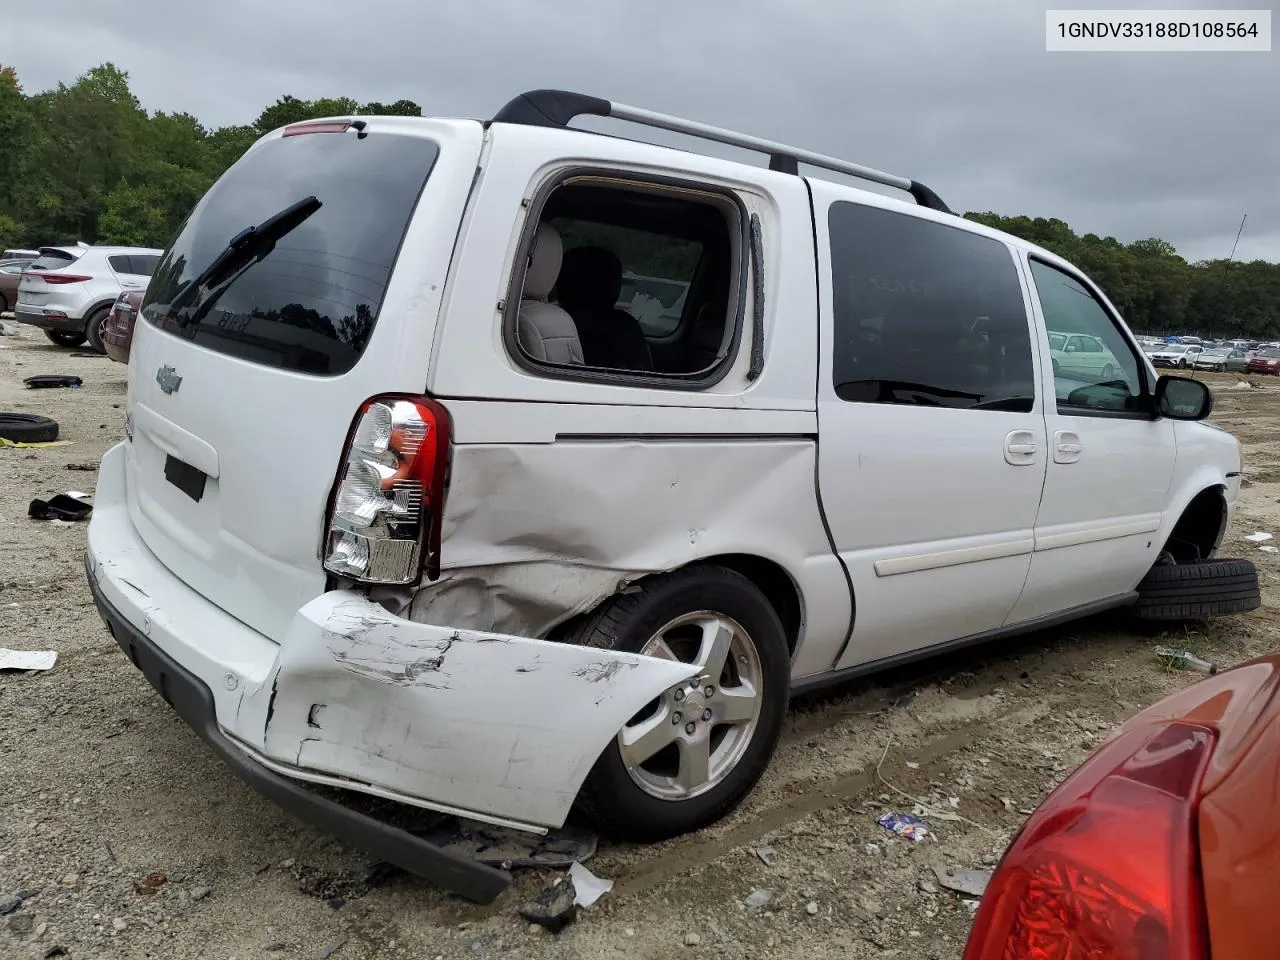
<point>194,703</point>
<point>58,322</point>
<point>487,726</point>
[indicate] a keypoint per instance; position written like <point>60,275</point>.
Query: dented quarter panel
<point>504,726</point>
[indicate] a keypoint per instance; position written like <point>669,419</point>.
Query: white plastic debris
<point>77,494</point>
<point>1258,537</point>
<point>1269,549</point>
<point>587,887</point>
<point>27,659</point>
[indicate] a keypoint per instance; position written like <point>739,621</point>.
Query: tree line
<point>85,161</point>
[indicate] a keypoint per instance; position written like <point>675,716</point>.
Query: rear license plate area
<point>185,477</point>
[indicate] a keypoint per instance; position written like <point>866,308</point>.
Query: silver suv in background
<point>68,291</point>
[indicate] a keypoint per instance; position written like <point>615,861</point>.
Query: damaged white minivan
<point>416,501</point>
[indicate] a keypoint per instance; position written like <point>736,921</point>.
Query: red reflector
<point>60,278</point>
<point>1107,867</point>
<point>295,129</point>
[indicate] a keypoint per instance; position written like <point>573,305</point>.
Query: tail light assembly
<point>1108,866</point>
<point>58,279</point>
<point>387,507</point>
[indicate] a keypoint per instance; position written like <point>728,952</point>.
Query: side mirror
<point>1181,398</point>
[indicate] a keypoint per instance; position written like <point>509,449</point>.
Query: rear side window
<point>143,264</point>
<point>308,303</point>
<point>926,314</point>
<point>53,260</point>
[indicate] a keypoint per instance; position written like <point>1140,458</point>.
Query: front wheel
<point>95,326</point>
<point>689,757</point>
<point>1182,364</point>
<point>1108,372</point>
<point>64,339</point>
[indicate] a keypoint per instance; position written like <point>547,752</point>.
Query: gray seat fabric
<point>545,331</point>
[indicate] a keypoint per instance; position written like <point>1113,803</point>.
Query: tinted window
<point>120,263</point>
<point>143,264</point>
<point>926,314</point>
<point>310,303</point>
<point>1107,377</point>
<point>53,260</point>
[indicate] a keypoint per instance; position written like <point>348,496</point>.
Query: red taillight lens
<point>1107,868</point>
<point>61,278</point>
<point>388,503</point>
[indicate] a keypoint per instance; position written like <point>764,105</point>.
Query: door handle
<point>1067,446</point>
<point>1020,448</point>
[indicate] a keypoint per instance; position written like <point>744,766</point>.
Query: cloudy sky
<point>960,95</point>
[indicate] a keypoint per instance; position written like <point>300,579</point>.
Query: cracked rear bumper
<point>194,703</point>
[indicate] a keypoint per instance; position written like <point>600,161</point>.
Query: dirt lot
<point>103,785</point>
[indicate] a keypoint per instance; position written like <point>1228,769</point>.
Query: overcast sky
<point>960,95</point>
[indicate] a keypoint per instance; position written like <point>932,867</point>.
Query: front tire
<point>94,328</point>
<point>64,339</point>
<point>690,756</point>
<point>1198,592</point>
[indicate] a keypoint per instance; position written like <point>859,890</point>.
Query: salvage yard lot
<point>103,785</point>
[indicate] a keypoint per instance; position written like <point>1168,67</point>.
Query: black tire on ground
<point>627,622</point>
<point>93,328</point>
<point>64,339</point>
<point>1198,591</point>
<point>27,428</point>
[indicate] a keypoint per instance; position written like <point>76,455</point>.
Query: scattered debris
<point>912,765</point>
<point>873,850</point>
<point>758,898</point>
<point>62,506</point>
<point>927,887</point>
<point>767,855</point>
<point>48,380</point>
<point>1007,803</point>
<point>692,939</point>
<point>199,893</point>
<point>971,905</point>
<point>87,467</point>
<point>275,947</point>
<point>555,908</point>
<point>499,847</point>
<point>588,888</point>
<point>333,947</point>
<point>27,659</point>
<point>972,882</point>
<point>904,825</point>
<point>811,908</point>
<point>9,904</point>
<point>1184,659</point>
<point>150,884</point>
<point>1258,537</point>
<point>54,951</point>
<point>1269,549</point>
<point>21,924</point>
<point>118,924</point>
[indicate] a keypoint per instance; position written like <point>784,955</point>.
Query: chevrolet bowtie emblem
<point>168,379</point>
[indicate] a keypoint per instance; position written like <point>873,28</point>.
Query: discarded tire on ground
<point>691,755</point>
<point>1198,591</point>
<point>27,428</point>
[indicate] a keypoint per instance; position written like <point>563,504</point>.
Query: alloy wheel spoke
<point>695,763</point>
<point>717,636</point>
<point>640,742</point>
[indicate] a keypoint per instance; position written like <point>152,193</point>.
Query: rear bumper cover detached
<point>487,726</point>
<point>193,702</point>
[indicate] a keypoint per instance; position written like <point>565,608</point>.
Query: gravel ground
<point>104,787</point>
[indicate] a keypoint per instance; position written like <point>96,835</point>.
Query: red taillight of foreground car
<point>1108,867</point>
<point>388,503</point>
<point>57,279</point>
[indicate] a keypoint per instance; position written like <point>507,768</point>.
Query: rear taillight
<point>1107,867</point>
<point>388,502</point>
<point>61,278</point>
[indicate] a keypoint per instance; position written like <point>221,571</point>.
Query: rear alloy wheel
<point>690,756</point>
<point>95,326</point>
<point>1108,372</point>
<point>1198,591</point>
<point>64,339</point>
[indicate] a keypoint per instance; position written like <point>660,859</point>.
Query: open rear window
<point>309,302</point>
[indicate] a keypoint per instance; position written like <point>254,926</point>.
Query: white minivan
<point>409,505</point>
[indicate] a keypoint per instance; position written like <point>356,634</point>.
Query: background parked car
<point>117,333</point>
<point>19,254</point>
<point>1266,361</point>
<point>1081,353</point>
<point>68,291</point>
<point>1176,355</point>
<point>1161,844</point>
<point>1220,359</point>
<point>10,270</point>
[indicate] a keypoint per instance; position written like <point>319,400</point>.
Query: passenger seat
<point>589,286</point>
<point>544,330</point>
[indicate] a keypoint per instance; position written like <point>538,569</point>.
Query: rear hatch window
<point>53,260</point>
<point>285,260</point>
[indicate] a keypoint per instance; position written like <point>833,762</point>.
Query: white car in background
<point>1083,354</point>
<point>1176,355</point>
<point>68,291</point>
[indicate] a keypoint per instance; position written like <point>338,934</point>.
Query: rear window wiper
<point>242,251</point>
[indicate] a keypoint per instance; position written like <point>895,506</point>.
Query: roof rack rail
<point>557,108</point>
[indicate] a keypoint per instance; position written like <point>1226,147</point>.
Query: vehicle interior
<point>684,247</point>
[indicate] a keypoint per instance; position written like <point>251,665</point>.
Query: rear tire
<point>27,428</point>
<point>4,304</point>
<point>94,326</point>
<point>690,615</point>
<point>64,339</point>
<point>1198,591</point>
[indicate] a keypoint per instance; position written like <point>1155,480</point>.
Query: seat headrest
<point>591,277</point>
<point>544,263</point>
